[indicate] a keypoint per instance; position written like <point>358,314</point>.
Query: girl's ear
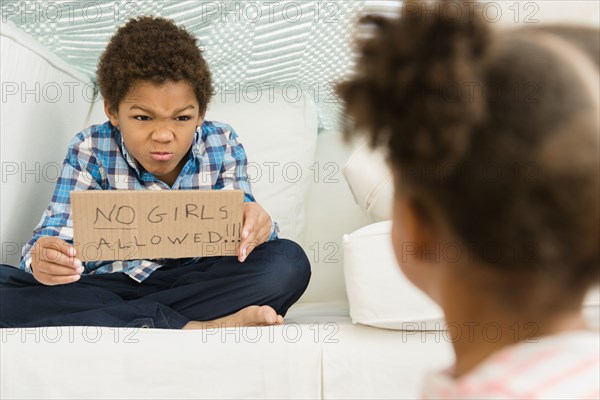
<point>415,240</point>
<point>411,221</point>
<point>421,229</point>
<point>417,224</point>
<point>112,115</point>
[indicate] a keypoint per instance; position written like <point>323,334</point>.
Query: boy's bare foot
<point>249,316</point>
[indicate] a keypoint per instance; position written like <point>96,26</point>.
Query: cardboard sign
<point>147,224</point>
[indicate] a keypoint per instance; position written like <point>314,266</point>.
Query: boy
<point>156,88</point>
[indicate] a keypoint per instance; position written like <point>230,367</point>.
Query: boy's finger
<point>59,245</point>
<point>251,246</point>
<point>61,270</point>
<point>52,280</point>
<point>250,220</point>
<point>255,239</point>
<point>248,228</point>
<point>243,251</point>
<point>53,256</point>
<point>246,248</point>
<point>264,234</point>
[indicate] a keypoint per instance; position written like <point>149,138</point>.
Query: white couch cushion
<point>370,180</point>
<point>280,138</point>
<point>331,213</point>
<point>379,293</point>
<point>45,102</point>
<point>278,362</point>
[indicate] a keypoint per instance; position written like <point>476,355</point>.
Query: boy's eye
<point>147,118</point>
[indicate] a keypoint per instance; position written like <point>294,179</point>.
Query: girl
<point>502,129</point>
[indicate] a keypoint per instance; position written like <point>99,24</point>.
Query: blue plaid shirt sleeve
<point>79,172</point>
<point>235,174</point>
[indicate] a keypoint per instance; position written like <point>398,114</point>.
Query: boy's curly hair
<point>152,49</point>
<point>497,131</point>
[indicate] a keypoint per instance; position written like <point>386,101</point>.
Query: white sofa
<point>318,353</point>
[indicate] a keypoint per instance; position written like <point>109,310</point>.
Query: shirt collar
<point>195,144</point>
<point>128,158</point>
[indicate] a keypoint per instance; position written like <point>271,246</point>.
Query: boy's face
<point>157,123</point>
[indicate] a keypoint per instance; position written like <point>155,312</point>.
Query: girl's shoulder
<point>565,365</point>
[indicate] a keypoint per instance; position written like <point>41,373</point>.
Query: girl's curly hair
<point>497,130</point>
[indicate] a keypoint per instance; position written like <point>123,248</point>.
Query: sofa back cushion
<point>279,134</point>
<point>45,101</point>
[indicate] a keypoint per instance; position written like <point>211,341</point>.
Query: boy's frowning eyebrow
<point>135,106</point>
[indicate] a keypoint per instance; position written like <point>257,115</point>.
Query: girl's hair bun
<point>419,83</point>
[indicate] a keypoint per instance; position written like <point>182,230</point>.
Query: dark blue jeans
<point>276,273</point>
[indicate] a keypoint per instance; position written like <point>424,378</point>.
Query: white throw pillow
<point>370,181</point>
<point>380,295</point>
<point>378,292</point>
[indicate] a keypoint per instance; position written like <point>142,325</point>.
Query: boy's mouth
<point>161,156</point>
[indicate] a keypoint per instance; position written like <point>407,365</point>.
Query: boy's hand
<point>256,229</point>
<point>53,261</point>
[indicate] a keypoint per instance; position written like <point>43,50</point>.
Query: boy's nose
<point>162,134</point>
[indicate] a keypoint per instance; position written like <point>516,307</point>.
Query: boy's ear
<point>201,118</point>
<point>111,113</point>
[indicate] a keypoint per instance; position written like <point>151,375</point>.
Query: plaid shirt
<point>98,160</point>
